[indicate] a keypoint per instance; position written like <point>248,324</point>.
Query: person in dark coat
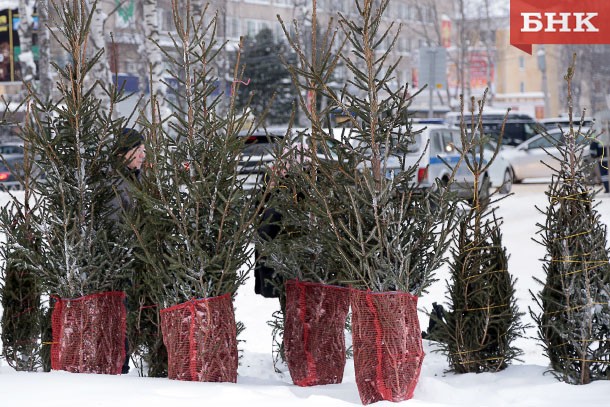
<point>267,282</point>
<point>130,155</point>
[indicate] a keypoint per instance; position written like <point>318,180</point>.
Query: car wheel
<point>507,182</point>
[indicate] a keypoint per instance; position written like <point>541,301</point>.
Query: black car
<point>517,129</point>
<point>260,150</point>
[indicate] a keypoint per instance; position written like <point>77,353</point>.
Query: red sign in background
<point>524,40</point>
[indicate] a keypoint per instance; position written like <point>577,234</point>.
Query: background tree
<point>574,322</point>
<point>155,56</point>
<point>266,77</point>
<point>44,49</point>
<point>482,319</point>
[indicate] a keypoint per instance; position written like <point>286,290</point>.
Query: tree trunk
<point>101,71</point>
<point>44,48</point>
<point>154,56</point>
<point>26,57</point>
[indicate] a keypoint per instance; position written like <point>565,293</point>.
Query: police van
<point>435,154</point>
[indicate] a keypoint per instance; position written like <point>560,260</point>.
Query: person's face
<point>135,157</point>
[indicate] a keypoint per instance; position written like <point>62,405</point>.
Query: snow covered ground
<point>523,384</point>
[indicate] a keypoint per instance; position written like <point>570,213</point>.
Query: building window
<point>522,87</point>
<point>233,30</point>
<point>521,63</point>
<point>254,26</point>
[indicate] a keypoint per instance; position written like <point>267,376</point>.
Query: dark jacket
<point>123,200</point>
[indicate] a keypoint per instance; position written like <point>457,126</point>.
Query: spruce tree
<point>82,246</point>
<point>20,286</point>
<point>296,187</point>
<point>194,222</point>
<point>266,78</point>
<point>482,319</point>
<point>385,233</point>
<point>574,318</point>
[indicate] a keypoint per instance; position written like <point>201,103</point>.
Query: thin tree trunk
<point>155,58</point>
<point>26,24</point>
<point>101,70</point>
<point>44,49</point>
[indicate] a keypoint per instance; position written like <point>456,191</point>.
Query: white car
<point>435,155</point>
<point>531,158</point>
<point>499,171</point>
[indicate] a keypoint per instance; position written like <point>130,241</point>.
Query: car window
<point>417,144</point>
<point>544,142</point>
<point>436,143</point>
<point>11,164</point>
<point>260,145</point>
<point>11,150</point>
<point>529,130</point>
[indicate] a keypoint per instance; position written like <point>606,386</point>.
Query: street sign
<point>433,67</point>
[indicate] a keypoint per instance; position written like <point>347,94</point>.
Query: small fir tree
<point>196,218</point>
<point>295,190</point>
<point>482,319</point>
<point>384,232</point>
<point>20,286</point>
<point>83,248</point>
<point>574,322</point>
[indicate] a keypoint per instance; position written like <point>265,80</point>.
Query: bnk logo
<point>567,22</point>
<point>559,22</point>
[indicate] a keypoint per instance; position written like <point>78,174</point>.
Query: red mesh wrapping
<point>201,340</point>
<point>89,333</point>
<point>388,351</point>
<point>314,339</point>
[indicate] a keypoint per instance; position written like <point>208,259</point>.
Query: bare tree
<point>101,70</point>
<point>154,53</point>
<point>26,25</point>
<point>44,48</point>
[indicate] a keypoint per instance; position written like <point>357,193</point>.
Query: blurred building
<point>529,83</point>
<point>423,23</point>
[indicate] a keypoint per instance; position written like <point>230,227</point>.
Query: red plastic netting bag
<point>89,333</point>
<point>388,351</point>
<point>201,340</point>
<point>314,339</point>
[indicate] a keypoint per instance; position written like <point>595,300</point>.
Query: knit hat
<point>128,139</point>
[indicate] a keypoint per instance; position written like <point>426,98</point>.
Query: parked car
<point>435,153</point>
<point>11,169</point>
<point>11,148</point>
<point>517,128</point>
<point>260,151</point>
<point>553,123</point>
<point>535,158</point>
<point>500,173</point>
